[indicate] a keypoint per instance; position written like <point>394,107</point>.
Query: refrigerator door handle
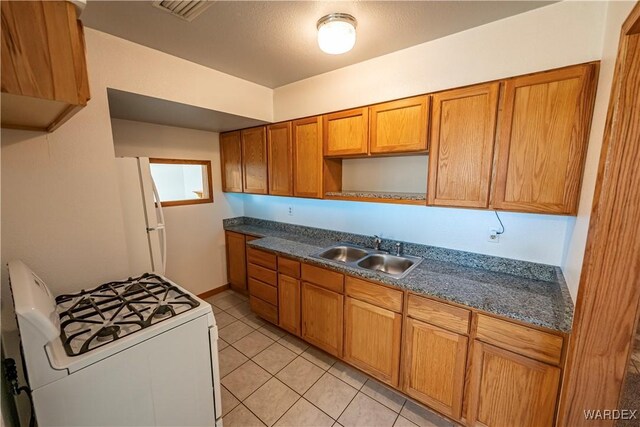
<point>161,226</point>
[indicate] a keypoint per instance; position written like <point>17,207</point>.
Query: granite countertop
<point>538,302</point>
<point>379,195</point>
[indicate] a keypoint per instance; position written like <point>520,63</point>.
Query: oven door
<point>215,373</point>
<point>160,381</point>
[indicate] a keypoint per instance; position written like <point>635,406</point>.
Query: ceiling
<point>273,43</point>
<point>141,108</point>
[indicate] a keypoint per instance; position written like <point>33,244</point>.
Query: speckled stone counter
<point>528,292</point>
<point>379,195</point>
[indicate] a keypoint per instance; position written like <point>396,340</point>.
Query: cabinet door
<point>346,132</point>
<point>289,303</point>
<point>509,389</point>
<point>44,71</point>
<point>254,160</point>
<point>236,261</point>
<point>372,339</point>
<point>462,138</point>
<point>280,159</point>
<point>434,366</point>
<point>231,161</point>
<point>542,140</point>
<point>322,318</point>
<point>307,157</point>
<point>399,126</point>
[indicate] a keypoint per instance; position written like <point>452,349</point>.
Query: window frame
<point>206,163</point>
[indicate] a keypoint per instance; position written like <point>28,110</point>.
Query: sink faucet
<point>377,242</point>
<point>398,248</point>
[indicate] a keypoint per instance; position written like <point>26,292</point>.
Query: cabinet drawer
<point>263,291</point>
<point>520,339</point>
<point>324,278</point>
<point>263,274</point>
<point>375,294</point>
<point>264,309</point>
<point>258,257</point>
<point>446,316</point>
<point>289,267</point>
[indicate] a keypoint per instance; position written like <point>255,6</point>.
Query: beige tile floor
<point>272,378</point>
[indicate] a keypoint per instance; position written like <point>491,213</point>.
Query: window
<point>182,182</point>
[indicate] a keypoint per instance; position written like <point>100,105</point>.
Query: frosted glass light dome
<point>336,33</point>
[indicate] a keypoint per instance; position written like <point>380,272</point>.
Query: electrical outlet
<point>493,236</point>
<point>290,211</point>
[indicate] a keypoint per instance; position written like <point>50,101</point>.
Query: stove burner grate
<point>163,311</point>
<point>93,318</point>
<point>107,333</point>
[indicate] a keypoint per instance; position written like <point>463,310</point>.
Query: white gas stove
<point>140,351</point>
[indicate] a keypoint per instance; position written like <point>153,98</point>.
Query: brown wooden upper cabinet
<point>517,144</point>
<point>462,138</point>
<point>346,133</point>
<point>542,140</point>
<point>44,70</point>
<point>307,157</point>
<point>399,126</point>
<point>254,160</point>
<point>280,156</point>
<point>231,161</point>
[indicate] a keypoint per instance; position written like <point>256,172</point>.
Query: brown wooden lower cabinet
<point>322,318</point>
<point>434,366</point>
<point>372,339</point>
<point>511,381</point>
<point>509,389</point>
<point>236,261</point>
<point>289,304</point>
<point>265,292</point>
<point>263,284</point>
<point>264,309</point>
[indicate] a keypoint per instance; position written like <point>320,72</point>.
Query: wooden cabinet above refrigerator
<point>44,70</point>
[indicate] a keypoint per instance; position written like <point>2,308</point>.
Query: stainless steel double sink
<point>396,266</point>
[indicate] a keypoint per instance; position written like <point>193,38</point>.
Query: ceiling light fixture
<point>336,33</point>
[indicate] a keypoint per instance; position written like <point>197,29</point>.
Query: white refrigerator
<point>144,224</point>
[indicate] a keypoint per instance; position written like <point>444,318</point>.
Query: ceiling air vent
<point>187,10</point>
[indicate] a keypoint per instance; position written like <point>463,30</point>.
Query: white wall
<point>561,34</point>
<point>61,209</point>
<point>535,238</point>
<point>195,237</point>
<point>401,174</point>
<point>557,35</point>
<point>616,13</point>
<point>61,206</point>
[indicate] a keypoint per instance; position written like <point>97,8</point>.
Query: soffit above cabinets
<point>141,108</point>
<point>273,43</point>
